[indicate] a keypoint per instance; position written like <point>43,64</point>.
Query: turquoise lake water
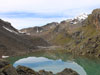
<point>58,61</point>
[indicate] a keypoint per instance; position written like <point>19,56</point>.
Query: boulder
<point>94,18</point>
<point>3,63</point>
<point>67,71</point>
<point>43,72</point>
<point>7,69</point>
<point>22,70</point>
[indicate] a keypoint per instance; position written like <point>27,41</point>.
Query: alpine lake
<point>56,61</point>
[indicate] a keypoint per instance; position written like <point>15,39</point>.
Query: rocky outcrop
<point>43,72</point>
<point>21,70</point>
<point>68,72</point>
<point>91,47</point>
<point>94,18</point>
<point>7,69</point>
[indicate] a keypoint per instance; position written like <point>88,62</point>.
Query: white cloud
<point>33,60</point>
<point>45,6</point>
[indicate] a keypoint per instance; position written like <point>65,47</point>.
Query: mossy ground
<point>61,39</point>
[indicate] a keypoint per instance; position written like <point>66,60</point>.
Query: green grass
<point>89,31</point>
<point>61,40</point>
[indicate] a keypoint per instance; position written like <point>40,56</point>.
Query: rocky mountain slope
<point>13,42</point>
<point>79,35</point>
<point>82,38</point>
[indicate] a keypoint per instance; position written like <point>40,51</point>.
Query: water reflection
<point>58,60</point>
<point>39,63</point>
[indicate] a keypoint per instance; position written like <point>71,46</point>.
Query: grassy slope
<point>89,31</point>
<point>61,40</point>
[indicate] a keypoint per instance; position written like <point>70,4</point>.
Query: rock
<point>7,69</point>
<point>1,73</point>
<point>94,18</point>
<point>67,72</point>
<point>74,35</point>
<point>43,72</point>
<point>3,63</point>
<point>22,70</point>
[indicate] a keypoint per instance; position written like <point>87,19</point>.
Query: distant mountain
<point>50,26</point>
<point>50,30</point>
<point>79,35</point>
<point>39,30</point>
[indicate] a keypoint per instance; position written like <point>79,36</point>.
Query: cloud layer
<point>45,6</point>
<point>18,11</point>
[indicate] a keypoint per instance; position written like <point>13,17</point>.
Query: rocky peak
<point>94,18</point>
<point>50,25</point>
<point>76,20</point>
<point>79,18</point>
<point>39,30</point>
<point>97,11</point>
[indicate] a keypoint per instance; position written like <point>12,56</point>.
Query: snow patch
<point>5,56</point>
<point>37,30</point>
<point>81,17</point>
<point>41,31</point>
<point>21,32</point>
<point>28,34</point>
<point>69,20</point>
<point>74,22</point>
<point>24,32</point>
<point>78,18</point>
<point>10,30</point>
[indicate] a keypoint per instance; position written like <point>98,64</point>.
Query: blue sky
<point>29,13</point>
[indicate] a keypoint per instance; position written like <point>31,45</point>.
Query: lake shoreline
<point>84,61</point>
<point>8,69</point>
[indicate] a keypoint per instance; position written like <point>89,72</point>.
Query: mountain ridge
<point>78,36</point>
<point>13,42</point>
<point>75,34</point>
